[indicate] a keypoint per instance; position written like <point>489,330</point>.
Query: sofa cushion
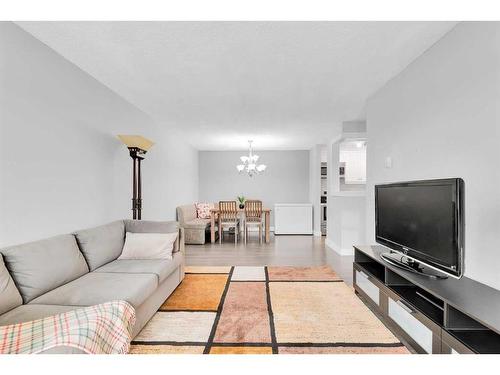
<point>148,245</point>
<point>162,268</point>
<point>145,226</point>
<point>9,295</point>
<point>203,210</point>
<point>197,224</point>
<point>102,244</point>
<point>27,313</point>
<point>100,287</point>
<point>40,266</point>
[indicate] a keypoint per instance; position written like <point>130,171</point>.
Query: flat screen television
<point>422,221</point>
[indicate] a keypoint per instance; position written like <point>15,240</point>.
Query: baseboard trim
<point>317,233</point>
<point>332,245</point>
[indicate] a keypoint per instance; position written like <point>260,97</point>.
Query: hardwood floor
<point>281,251</point>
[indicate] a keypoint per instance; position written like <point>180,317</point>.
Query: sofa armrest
<point>180,243</point>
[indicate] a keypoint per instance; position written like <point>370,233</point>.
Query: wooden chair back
<point>253,210</point>
<point>228,211</point>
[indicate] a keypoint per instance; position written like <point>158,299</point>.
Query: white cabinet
<point>293,218</point>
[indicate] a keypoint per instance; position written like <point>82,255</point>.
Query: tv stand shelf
<point>431,316</point>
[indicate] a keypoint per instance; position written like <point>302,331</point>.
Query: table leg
<point>268,219</point>
<point>242,222</point>
<point>212,227</point>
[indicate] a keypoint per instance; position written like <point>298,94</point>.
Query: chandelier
<point>250,163</point>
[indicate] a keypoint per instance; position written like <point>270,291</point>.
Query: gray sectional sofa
<point>70,271</point>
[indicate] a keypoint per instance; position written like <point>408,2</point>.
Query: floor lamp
<point>137,146</point>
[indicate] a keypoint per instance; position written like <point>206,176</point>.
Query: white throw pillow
<point>148,245</point>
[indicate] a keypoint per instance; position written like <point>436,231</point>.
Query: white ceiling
<point>286,85</point>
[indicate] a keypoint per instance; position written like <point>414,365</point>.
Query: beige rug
<point>265,310</point>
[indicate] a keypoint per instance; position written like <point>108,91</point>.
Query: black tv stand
<point>427,314</point>
<point>410,265</point>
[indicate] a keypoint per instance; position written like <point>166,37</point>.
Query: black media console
<point>432,316</point>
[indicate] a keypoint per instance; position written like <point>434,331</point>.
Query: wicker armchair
<point>228,218</point>
<point>253,217</point>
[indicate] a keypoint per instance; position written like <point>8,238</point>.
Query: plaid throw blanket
<point>99,329</point>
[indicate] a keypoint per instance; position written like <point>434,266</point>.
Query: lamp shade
<point>261,168</point>
<point>137,141</point>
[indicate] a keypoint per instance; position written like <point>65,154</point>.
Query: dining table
<point>241,211</point>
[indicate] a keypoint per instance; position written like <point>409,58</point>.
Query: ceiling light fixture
<point>250,163</point>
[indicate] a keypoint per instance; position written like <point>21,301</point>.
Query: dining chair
<point>253,217</point>
<point>228,218</point>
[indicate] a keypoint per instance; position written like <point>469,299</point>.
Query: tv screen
<point>423,220</point>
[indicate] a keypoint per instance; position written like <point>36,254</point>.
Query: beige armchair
<point>195,229</point>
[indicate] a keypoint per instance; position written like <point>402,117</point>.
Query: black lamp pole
<point>137,156</point>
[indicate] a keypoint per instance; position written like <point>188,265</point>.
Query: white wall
<point>346,203</point>
<point>346,222</point>
<point>286,179</point>
<point>441,118</point>
<point>61,166</point>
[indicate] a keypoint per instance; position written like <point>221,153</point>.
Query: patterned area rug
<point>264,310</point>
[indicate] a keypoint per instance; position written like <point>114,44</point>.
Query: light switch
<point>388,162</point>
